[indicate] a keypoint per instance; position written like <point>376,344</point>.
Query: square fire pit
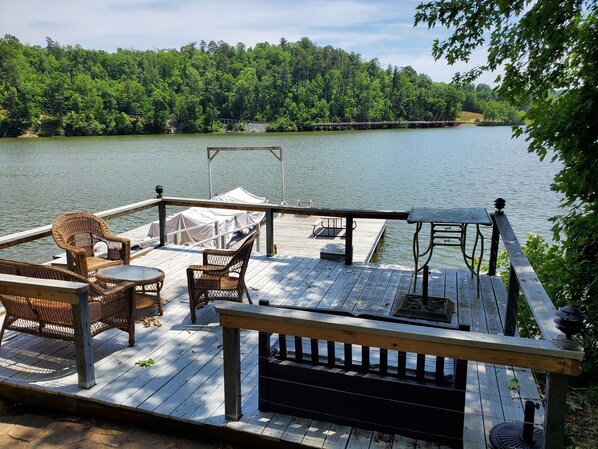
<point>433,309</point>
<point>425,307</point>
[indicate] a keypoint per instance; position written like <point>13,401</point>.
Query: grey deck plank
<point>321,285</point>
<point>276,426</point>
<point>357,289</point>
<point>296,430</point>
<point>337,437</point>
<point>296,283</point>
<point>360,439</point>
<point>315,436</point>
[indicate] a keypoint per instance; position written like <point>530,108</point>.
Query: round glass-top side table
<point>148,283</point>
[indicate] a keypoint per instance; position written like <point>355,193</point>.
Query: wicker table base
<point>148,283</point>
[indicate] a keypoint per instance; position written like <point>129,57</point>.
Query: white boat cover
<point>198,224</point>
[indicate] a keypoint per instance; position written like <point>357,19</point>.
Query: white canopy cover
<point>198,224</point>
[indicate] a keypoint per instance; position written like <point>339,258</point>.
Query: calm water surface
<point>388,169</point>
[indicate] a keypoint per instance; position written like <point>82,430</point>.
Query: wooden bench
<point>539,355</point>
<point>415,395</point>
<point>56,303</point>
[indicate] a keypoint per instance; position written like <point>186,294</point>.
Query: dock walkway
<point>183,388</point>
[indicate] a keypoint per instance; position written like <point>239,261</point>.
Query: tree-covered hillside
<point>67,90</point>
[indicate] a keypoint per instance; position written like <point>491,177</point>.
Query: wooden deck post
<point>269,233</point>
<point>512,304</point>
<point>555,411</point>
<point>264,347</point>
<point>162,218</point>
<point>349,241</point>
<point>493,247</point>
<point>231,343</point>
<point>83,351</point>
<point>162,215</point>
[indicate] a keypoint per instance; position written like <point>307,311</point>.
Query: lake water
<point>388,169</point>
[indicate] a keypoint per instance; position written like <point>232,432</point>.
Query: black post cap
<point>570,321</point>
<point>499,203</point>
<point>159,190</point>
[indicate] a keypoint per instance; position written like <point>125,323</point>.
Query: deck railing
<point>540,355</point>
<point>522,276</point>
<point>522,279</point>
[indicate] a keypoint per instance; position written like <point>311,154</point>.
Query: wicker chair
<point>78,233</point>
<point>108,308</point>
<point>222,275</point>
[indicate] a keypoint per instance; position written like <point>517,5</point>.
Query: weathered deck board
<point>293,235</point>
<point>186,382</point>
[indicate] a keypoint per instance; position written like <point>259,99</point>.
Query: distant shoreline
<point>31,135</point>
<point>317,127</point>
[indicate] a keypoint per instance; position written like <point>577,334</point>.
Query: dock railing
<point>522,279</point>
<point>271,210</point>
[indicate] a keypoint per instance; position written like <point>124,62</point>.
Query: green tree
<point>18,88</point>
<point>542,48</point>
<point>73,91</point>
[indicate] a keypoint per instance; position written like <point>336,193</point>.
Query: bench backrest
<point>43,272</point>
<point>416,395</point>
<point>364,359</point>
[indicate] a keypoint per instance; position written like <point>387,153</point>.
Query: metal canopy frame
<point>275,151</point>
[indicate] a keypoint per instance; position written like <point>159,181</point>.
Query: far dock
<point>294,236</point>
<point>336,126</point>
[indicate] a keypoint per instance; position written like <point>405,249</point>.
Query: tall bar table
<point>448,227</point>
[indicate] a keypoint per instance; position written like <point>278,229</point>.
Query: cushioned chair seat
<point>209,282</point>
<point>221,276</point>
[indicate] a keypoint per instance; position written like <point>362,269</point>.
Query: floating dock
<point>294,235</point>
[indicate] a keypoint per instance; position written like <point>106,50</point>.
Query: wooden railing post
<point>493,247</point>
<point>270,232</point>
<point>82,337</point>
<point>555,411</point>
<point>349,241</point>
<point>512,304</point>
<point>161,215</point>
<point>264,348</point>
<point>231,348</point>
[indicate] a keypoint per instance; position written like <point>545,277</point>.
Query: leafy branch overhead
<point>546,54</point>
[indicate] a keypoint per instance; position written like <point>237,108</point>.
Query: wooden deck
<point>184,386</point>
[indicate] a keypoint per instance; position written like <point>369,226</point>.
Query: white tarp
<point>198,224</point>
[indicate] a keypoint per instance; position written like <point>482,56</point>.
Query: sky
<point>381,29</point>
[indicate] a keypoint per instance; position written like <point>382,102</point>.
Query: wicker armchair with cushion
<point>222,275</point>
<point>81,234</point>
<point>108,308</point>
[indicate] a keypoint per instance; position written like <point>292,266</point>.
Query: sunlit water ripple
<point>388,169</point>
